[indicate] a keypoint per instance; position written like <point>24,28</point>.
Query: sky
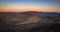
<point>29,5</point>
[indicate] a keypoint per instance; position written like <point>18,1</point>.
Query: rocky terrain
<point>31,21</point>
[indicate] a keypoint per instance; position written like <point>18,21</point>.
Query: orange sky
<point>21,9</point>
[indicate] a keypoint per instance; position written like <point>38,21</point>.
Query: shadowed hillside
<point>30,21</point>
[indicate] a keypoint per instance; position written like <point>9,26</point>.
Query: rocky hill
<point>30,21</point>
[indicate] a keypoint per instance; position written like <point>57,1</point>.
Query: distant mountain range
<point>41,13</point>
<point>32,13</point>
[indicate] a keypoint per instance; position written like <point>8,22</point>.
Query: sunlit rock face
<point>31,19</point>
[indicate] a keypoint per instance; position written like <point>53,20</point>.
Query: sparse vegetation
<point>43,24</point>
